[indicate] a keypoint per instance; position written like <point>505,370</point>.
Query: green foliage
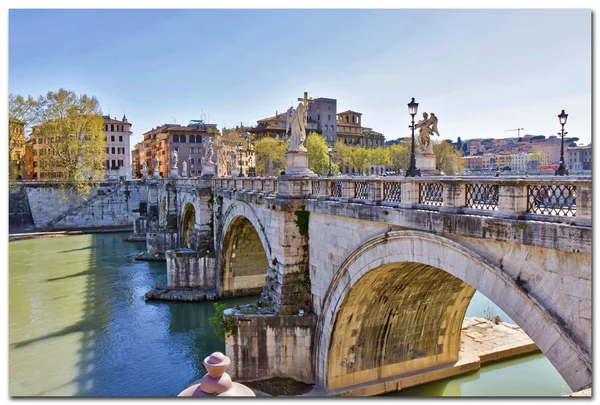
<point>318,154</point>
<point>223,325</point>
<point>70,128</point>
<point>447,159</point>
<point>302,218</point>
<point>269,154</point>
<point>400,156</point>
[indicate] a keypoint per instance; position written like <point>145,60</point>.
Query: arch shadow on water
<point>85,329</point>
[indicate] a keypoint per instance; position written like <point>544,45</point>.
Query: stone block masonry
<point>111,204</point>
<point>272,346</point>
<point>191,269</point>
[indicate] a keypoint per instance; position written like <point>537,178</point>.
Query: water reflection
<point>79,324</point>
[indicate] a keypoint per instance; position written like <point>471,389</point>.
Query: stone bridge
<point>366,280</point>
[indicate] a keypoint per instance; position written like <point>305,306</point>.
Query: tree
<point>22,114</point>
<point>399,157</point>
<point>341,155</point>
<point>380,156</point>
<point>71,128</point>
<point>318,154</point>
<point>541,157</point>
<point>447,159</point>
<point>359,159</point>
<point>269,154</point>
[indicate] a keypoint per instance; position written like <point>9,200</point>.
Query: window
<point>181,138</point>
<point>105,127</point>
<point>112,128</point>
<point>326,127</point>
<point>113,163</point>
<point>198,140</point>
<point>329,117</point>
<point>120,138</point>
<point>112,150</point>
<point>192,160</point>
<point>175,138</point>
<point>318,107</point>
<point>112,138</point>
<point>192,139</point>
<point>106,149</point>
<point>319,117</point>
<point>309,107</point>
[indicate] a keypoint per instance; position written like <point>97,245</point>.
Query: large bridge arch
<point>244,252</point>
<point>435,278</point>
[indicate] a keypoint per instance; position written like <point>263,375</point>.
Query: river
<point>79,325</point>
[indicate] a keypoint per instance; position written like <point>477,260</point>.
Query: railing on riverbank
<point>543,198</point>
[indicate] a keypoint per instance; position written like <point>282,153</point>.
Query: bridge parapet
<point>548,199</point>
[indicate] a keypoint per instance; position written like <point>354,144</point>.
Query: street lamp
<point>562,170</point>
<point>330,149</point>
<point>412,170</point>
<point>240,148</point>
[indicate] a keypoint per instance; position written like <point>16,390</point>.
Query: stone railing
<point>542,198</point>
<point>259,184</point>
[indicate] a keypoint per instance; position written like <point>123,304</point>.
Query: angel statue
<point>155,168</point>
<point>144,170</point>
<point>296,120</point>
<point>174,158</point>
<point>427,126</point>
<point>208,157</point>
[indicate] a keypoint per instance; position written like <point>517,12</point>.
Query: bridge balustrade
<point>538,198</point>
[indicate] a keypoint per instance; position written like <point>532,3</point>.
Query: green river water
<point>79,325</point>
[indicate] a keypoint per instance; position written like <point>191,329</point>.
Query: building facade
<point>275,127</point>
<point>189,141</point>
<point>117,157</point>
<point>324,112</point>
<point>579,158</point>
<point>351,132</point>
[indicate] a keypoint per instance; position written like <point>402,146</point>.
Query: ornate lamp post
<point>240,148</point>
<point>562,170</point>
<point>329,149</point>
<point>412,170</point>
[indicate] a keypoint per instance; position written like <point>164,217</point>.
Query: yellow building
<point>503,160</point>
<point>351,131</point>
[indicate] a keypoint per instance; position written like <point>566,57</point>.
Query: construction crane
<point>516,129</point>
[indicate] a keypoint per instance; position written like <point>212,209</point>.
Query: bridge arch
<point>162,216</point>
<point>188,224</point>
<point>244,252</point>
<point>415,288</point>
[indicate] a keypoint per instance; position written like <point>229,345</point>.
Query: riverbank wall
<point>46,206</point>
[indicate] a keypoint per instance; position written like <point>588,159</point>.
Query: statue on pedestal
<point>295,120</point>
<point>208,156</point>
<point>184,169</point>
<point>427,126</point>
<point>144,170</point>
<point>155,168</point>
<point>174,159</point>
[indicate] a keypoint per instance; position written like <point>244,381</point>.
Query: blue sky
<point>480,71</point>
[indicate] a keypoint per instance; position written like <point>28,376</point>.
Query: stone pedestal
<point>191,269</point>
<point>297,165</point>
<point>208,170</point>
<point>426,162</point>
<point>174,173</point>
